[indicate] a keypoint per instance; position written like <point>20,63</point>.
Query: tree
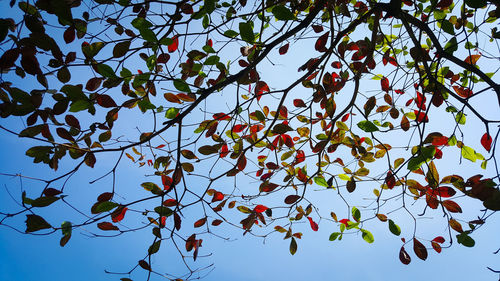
<point>223,138</point>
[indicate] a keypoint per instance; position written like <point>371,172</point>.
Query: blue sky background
<point>33,257</point>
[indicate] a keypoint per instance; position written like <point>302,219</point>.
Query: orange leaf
<point>200,222</point>
<point>472,59</point>
<point>452,206</point>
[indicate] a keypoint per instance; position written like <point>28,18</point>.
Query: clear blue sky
<point>31,257</point>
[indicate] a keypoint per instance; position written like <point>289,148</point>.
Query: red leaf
<point>216,222</point>
<point>472,59</point>
<point>118,216</point>
<point>300,157</point>
<point>283,49</point>
<point>321,42</point>
<point>163,58</point>
<point>177,221</point>
<point>432,202</point>
<point>438,141</point>
<point>260,208</point>
<point>107,226</point>
<point>486,141</point>
<point>93,84</point>
<point>336,64</point>
<point>344,221</point>
<point>403,256</point>
<point>260,88</point>
<point>385,84</point>
<point>218,196</point>
<point>224,151</point>
<point>443,191</point>
<point>221,116</point>
<point>290,199</point>
<point>419,249</point>
<point>200,222</point>
<point>170,202</point>
<point>452,206</point>
<point>242,162</point>
<point>287,140</point>
<point>317,28</point>
<point>436,246</point>
<point>239,128</point>
<point>439,239</point>
<point>243,63</point>
<point>463,92</point>
<point>299,103</point>
<point>421,116</point>
<point>345,117</point>
<point>314,225</point>
<point>69,35</point>
<point>210,43</point>
<point>390,180</point>
<point>167,182</point>
<point>105,101</point>
<point>175,44</point>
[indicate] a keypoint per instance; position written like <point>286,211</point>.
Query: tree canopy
<point>253,117</point>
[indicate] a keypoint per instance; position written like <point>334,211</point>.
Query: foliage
<point>384,98</point>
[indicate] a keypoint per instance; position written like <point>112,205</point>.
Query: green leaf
<point>464,239</point>
<point>246,32</point>
<point>181,85</point>
<point>121,49</point>
<point>104,206</point>
<point>451,46</point>
<point>293,246</point>
<point>163,211</point>
<point>79,105</point>
<point>66,228</point>
<point>209,6</point>
<point>367,236</point>
<point>394,228</point>
<point>469,153</point>
<point>448,27</point>
<point>356,214</point>
<point>105,70</point>
<point>475,3</point>
<point>230,33</point>
<point>367,126</point>
<point>212,60</point>
<point>152,187</point>
<point>334,236</point>
<point>44,201</point>
<point>460,118</point>
<point>171,113</point>
<point>35,223</point>
<point>154,247</point>
<point>282,13</point>
<point>321,181</point>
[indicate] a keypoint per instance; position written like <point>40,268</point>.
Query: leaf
<point>145,265</point>
<point>283,49</point>
<point>455,225</point>
<point>121,49</point>
<point>154,247</point>
<point>290,199</point>
<point>419,249</point>
<point>280,12</point>
<point>181,85</point>
<point>260,208</point>
<point>394,228</point>
<point>293,246</point>
<point>464,239</point>
<point>486,141</point>
<point>119,214</point>
<point>476,4</point>
<point>452,206</point>
<point>174,45</point>
<point>356,214</point>
<point>472,59</point>
<point>246,32</point>
<point>384,82</point>
<point>314,225</point>
<point>35,223</point>
<point>367,236</point>
<point>200,222</point>
<point>436,246</point>
<point>321,42</point>
<point>107,226</point>
<point>403,256</point>
<point>44,201</point>
<point>367,126</point>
